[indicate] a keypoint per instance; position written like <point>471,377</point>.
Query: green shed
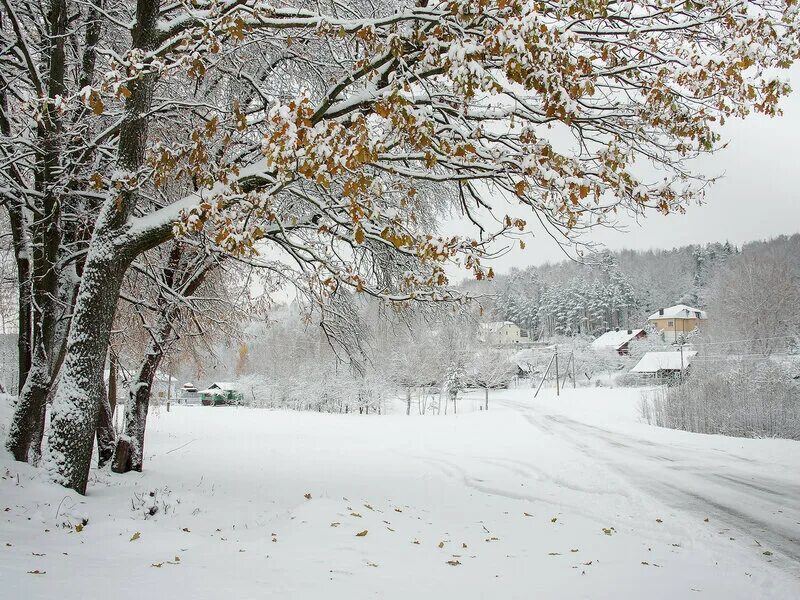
<point>221,393</point>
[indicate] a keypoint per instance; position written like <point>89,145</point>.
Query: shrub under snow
<point>745,398</point>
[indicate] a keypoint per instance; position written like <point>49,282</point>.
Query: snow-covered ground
<point>569,497</point>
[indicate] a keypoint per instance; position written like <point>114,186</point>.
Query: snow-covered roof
<point>615,339</point>
<point>497,325</point>
<point>679,311</point>
<point>653,362</point>
<point>220,386</point>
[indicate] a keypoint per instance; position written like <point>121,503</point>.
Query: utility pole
<point>681,347</point>
<point>557,382</point>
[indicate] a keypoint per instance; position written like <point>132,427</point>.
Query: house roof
<point>653,362</point>
<point>679,311</point>
<point>616,339</point>
<point>220,386</point>
<point>496,325</point>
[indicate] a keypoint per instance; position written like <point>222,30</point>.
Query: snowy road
<point>568,498</point>
<point>759,508</point>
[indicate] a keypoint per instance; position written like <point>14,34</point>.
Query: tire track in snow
<point>679,477</point>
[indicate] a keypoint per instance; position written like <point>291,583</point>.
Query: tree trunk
<point>106,436</point>
<point>25,324</point>
<point>408,401</point>
<point>80,394</point>
<point>27,426</point>
<point>132,443</point>
<point>486,398</point>
<point>27,429</point>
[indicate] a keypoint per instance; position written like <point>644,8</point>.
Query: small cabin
<point>618,340</point>
<point>664,365</point>
<point>221,393</point>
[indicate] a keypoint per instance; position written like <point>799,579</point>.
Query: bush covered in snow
<point>745,398</point>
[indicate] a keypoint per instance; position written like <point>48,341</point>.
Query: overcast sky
<point>757,197</point>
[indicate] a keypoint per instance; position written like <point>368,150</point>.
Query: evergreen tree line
<point>607,291</point>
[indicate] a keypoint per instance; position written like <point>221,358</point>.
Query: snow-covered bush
<point>739,397</point>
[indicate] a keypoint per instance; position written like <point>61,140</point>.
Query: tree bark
<point>80,394</point>
<point>486,398</point>
<point>27,429</point>
<point>106,434</point>
<point>408,400</point>
<point>132,443</point>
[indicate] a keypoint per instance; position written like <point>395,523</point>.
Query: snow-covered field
<point>568,497</point>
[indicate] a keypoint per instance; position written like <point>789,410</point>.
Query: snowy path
<point>703,480</point>
<point>553,498</point>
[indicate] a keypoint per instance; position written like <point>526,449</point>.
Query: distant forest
<point>621,289</point>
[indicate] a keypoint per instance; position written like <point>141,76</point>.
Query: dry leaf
<point>135,536</point>
<point>355,514</point>
<point>335,524</point>
<point>37,572</point>
<point>441,544</point>
<point>454,563</point>
<point>362,533</point>
<point>307,496</point>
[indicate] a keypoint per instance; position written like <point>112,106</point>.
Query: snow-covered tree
<point>338,138</point>
<point>491,368</point>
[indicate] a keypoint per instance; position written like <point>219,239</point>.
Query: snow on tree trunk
<point>486,398</point>
<point>106,436</point>
<point>27,426</point>
<point>79,397</point>
<point>132,443</point>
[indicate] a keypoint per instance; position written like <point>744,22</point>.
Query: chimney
<point>630,331</point>
<point>661,311</point>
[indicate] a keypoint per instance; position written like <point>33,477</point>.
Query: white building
<point>618,340</point>
<point>501,333</point>
<point>664,364</point>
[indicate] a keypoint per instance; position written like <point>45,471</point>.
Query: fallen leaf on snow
<point>37,572</point>
<point>307,496</point>
<point>135,536</point>
<point>454,563</point>
<point>362,533</point>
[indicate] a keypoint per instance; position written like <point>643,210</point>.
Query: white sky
<point>757,197</point>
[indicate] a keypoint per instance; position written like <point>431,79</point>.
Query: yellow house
<point>501,333</point>
<point>677,321</point>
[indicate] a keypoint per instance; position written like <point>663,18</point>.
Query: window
<point>670,323</point>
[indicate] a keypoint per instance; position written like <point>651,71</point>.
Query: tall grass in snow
<point>743,398</point>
